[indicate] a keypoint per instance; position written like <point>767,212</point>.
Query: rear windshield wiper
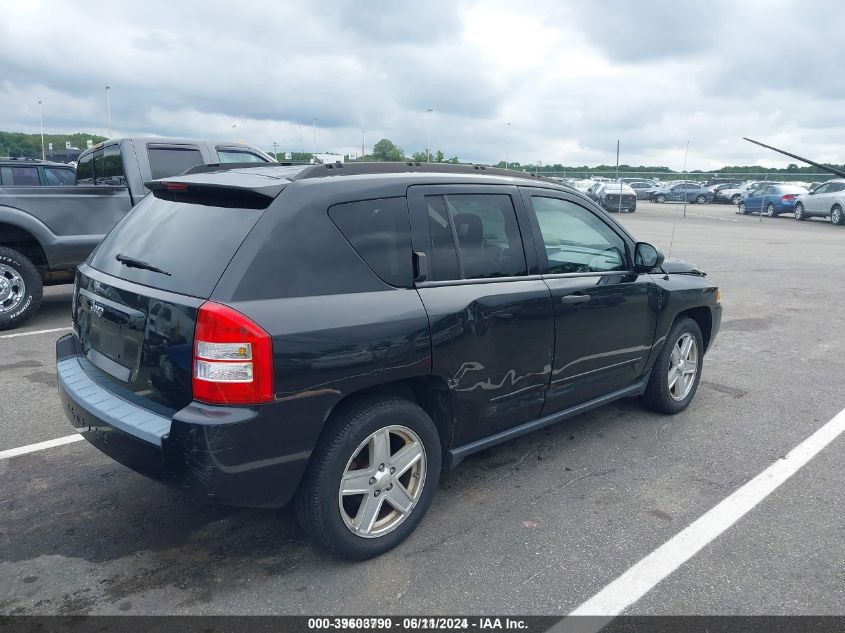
<point>131,262</point>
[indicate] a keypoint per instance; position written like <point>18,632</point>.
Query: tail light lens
<point>233,358</point>
<point>788,197</point>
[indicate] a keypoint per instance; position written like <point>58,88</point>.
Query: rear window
<point>237,156</point>
<point>170,161</point>
<point>193,243</point>
<point>380,233</point>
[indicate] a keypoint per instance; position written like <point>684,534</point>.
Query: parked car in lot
<point>583,185</point>
<point>46,231</point>
<point>642,188</point>
<point>717,190</point>
<point>684,191</point>
<point>358,329</point>
<point>826,200</point>
<point>615,197</point>
<point>31,172</point>
<point>773,200</point>
<point>734,195</point>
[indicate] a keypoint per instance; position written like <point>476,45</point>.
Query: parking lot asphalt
<point>534,526</point>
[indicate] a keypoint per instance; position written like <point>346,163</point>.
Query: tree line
<point>20,145</point>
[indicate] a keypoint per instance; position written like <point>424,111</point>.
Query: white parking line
<point>31,448</point>
<point>646,574</point>
<point>712,217</point>
<point>55,329</point>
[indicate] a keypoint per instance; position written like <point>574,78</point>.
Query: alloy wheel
<point>770,210</point>
<point>12,288</point>
<point>742,208</point>
<point>683,367</point>
<point>836,216</point>
<point>382,481</point>
<point>799,212</point>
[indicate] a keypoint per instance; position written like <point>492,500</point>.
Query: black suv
<point>339,335</point>
<point>32,172</point>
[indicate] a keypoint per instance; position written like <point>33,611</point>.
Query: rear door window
<point>110,167</point>
<point>380,232</point>
<point>58,177</point>
<point>192,243</point>
<point>85,170</point>
<point>170,161</point>
<point>25,177</point>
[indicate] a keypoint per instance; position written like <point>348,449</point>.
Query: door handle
<point>575,299</point>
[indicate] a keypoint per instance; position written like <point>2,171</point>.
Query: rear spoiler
<point>225,192</point>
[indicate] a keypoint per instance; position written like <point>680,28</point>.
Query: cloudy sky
<point>551,81</point>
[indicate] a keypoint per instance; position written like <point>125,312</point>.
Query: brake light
<point>788,197</point>
<point>233,358</point>
<point>175,186</point>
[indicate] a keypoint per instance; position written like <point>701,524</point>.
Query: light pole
<point>428,111</point>
<point>108,106</point>
<point>507,147</point>
<point>363,132</point>
<point>275,153</point>
<point>314,140</point>
<point>234,133</point>
<point>41,119</point>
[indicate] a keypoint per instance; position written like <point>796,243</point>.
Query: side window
<point>576,240</point>
<point>678,188</point>
<point>6,176</point>
<point>236,156</point>
<point>380,232</point>
<point>25,176</point>
<point>444,258</point>
<point>835,187</point>
<point>821,189</point>
<point>170,161</point>
<point>58,177</point>
<point>85,170</point>
<point>109,167</point>
<point>489,242</point>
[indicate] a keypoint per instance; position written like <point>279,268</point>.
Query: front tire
<point>661,198</point>
<point>742,210</point>
<point>800,214</point>
<point>837,216</point>
<point>770,210</point>
<point>21,288</point>
<point>677,371</point>
<point>371,478</point>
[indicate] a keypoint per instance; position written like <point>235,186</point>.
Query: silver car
<point>826,200</point>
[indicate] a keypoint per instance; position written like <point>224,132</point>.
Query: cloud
<point>570,79</point>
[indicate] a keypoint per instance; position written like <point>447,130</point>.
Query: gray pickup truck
<point>46,232</point>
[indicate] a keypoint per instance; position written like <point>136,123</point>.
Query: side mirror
<point>647,257</point>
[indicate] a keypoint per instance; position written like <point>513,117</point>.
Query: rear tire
<point>350,444</point>
<point>661,394</point>
<point>701,199</point>
<point>736,198</point>
<point>21,289</point>
<point>800,214</point>
<point>837,216</point>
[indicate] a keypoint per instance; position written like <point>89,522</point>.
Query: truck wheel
<point>20,288</point>
<point>371,478</point>
<point>675,375</point>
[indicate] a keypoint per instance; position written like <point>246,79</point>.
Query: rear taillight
<point>233,358</point>
<point>788,197</point>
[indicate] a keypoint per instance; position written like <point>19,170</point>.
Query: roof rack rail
<point>210,167</point>
<point>27,158</point>
<point>357,168</point>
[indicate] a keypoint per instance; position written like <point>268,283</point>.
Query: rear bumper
<point>212,452</point>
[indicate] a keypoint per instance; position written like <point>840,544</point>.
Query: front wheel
<point>371,478</point>
<point>677,371</point>
<point>736,198</point>
<point>742,208</point>
<point>837,216</point>
<point>701,199</point>
<point>770,210</point>
<point>20,288</point>
<point>800,214</point>
<point>661,198</point>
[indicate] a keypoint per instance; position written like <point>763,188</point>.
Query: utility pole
<point>314,142</point>
<point>428,111</point>
<point>507,147</point>
<point>108,106</point>
<point>41,119</point>
<point>363,153</point>
<point>275,153</point>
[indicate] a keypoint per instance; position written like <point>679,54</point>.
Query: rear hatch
<point>136,301</point>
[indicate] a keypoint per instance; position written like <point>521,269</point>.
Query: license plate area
<point>111,334</point>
